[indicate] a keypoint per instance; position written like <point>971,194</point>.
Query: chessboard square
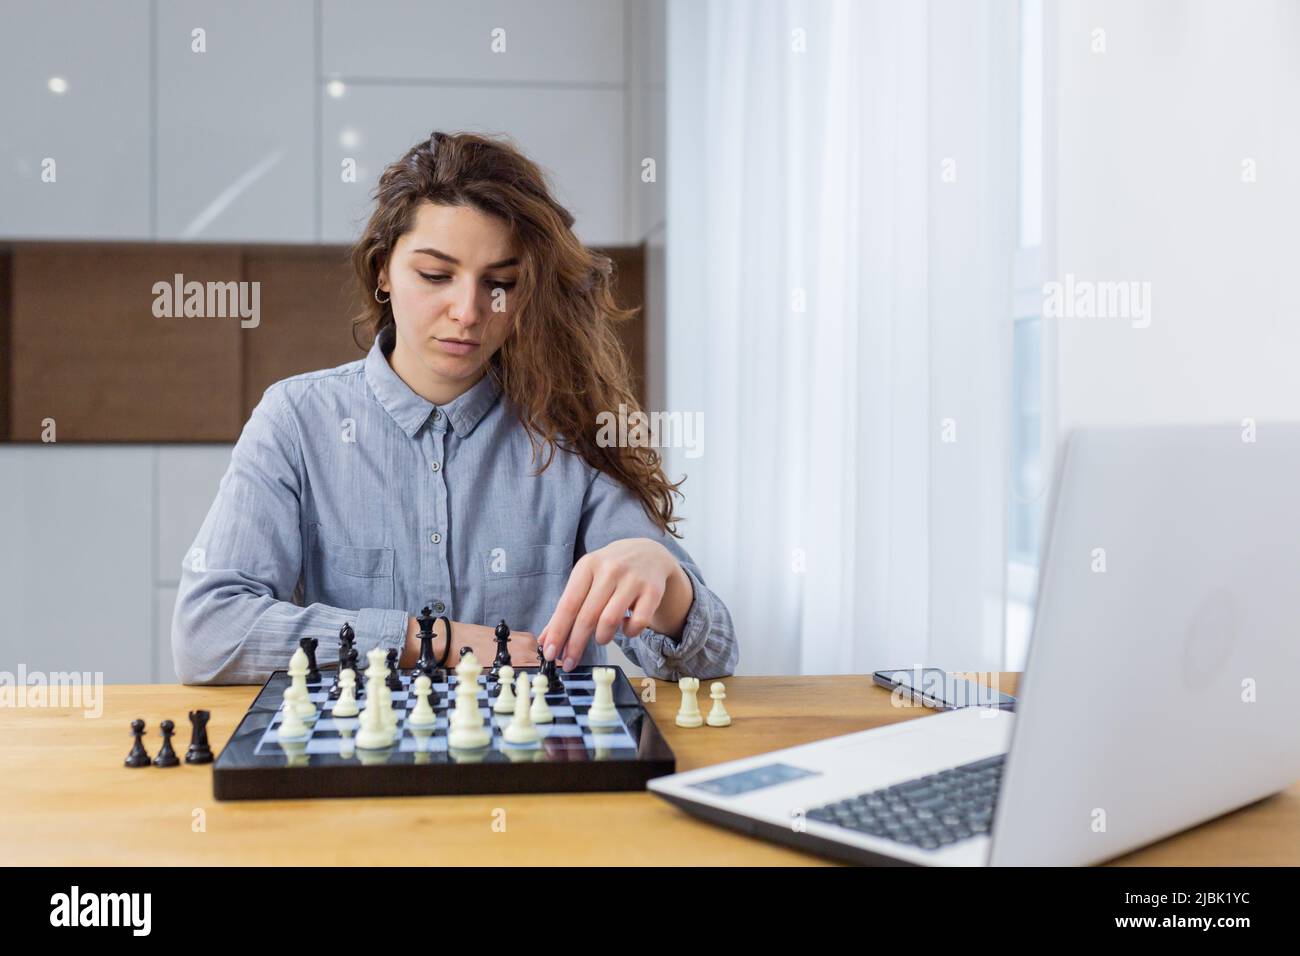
<point>328,746</point>
<point>561,730</point>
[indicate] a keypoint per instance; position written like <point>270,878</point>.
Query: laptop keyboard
<point>929,812</point>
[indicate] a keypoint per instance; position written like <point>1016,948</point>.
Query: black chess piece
<point>346,637</point>
<point>199,751</point>
<point>503,651</point>
<point>553,683</point>
<point>138,757</point>
<point>394,680</point>
<point>353,664</point>
<point>309,644</point>
<point>426,664</point>
<point>166,756</point>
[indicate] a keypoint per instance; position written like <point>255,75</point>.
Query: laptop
<point>1159,690</point>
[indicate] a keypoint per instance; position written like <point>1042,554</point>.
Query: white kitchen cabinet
<point>74,108</point>
<point>76,559</point>
<point>576,135</point>
<point>236,123</point>
<point>556,41</point>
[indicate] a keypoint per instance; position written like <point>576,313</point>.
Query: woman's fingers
<point>643,610</point>
<point>615,611</point>
<point>584,624</point>
<point>560,625</point>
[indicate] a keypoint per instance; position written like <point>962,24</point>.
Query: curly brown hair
<point>561,363</point>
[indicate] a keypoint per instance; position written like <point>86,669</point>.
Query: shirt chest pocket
<point>522,584</point>
<point>348,577</point>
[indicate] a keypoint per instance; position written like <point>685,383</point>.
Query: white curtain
<point>838,309</point>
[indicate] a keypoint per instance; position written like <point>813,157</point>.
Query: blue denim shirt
<point>349,498</point>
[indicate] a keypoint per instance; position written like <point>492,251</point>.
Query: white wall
<point>1152,135</point>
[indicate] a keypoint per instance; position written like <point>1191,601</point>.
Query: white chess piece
<point>718,716</point>
<point>521,729</point>
<point>603,712</point>
<point>298,676</point>
<point>688,715</point>
<point>541,712</point>
<point>422,715</point>
<point>505,703</point>
<point>468,732</point>
<point>346,705</point>
<point>291,725</point>
<point>374,732</point>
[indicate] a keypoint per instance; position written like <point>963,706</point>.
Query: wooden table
<point>65,797</point>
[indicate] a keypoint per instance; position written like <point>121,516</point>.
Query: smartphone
<point>935,687</point>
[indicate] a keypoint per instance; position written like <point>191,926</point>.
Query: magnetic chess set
<point>434,730</point>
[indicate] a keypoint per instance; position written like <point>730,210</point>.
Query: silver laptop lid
<point>1159,687</point>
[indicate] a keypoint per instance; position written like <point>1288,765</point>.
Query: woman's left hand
<point>637,574</point>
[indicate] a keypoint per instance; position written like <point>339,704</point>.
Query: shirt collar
<point>409,410</point>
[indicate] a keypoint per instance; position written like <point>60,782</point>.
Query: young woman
<point>457,465</point>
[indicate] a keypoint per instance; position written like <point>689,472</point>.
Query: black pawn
<point>503,651</point>
<point>199,751</point>
<point>138,757</point>
<point>166,757</point>
<point>466,650</point>
<point>394,680</point>
<point>309,645</point>
<point>553,683</point>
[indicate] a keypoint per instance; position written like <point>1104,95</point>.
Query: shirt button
<point>437,466</point>
<point>439,606</point>
<point>435,537</point>
<point>437,415</point>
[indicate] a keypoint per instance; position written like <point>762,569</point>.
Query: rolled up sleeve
<point>235,619</point>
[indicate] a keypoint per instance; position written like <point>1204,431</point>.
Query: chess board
<point>571,755</point>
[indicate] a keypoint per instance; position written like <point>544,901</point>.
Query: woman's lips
<point>456,346</point>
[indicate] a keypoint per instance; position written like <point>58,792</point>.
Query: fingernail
<point>568,663</point>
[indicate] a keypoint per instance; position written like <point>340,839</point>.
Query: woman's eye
<point>494,283</point>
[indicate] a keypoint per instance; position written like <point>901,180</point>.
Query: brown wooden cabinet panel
<point>308,302</point>
<point>88,352</point>
<point>83,346</point>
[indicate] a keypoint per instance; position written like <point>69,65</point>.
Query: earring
<point>379,300</point>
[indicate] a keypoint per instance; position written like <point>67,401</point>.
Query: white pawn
<point>346,705</point>
<point>423,715</point>
<point>602,712</point>
<point>291,725</point>
<point>505,703</point>
<point>521,729</point>
<point>541,713</point>
<point>468,732</point>
<point>718,716</point>
<point>298,674</point>
<point>688,715</point>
